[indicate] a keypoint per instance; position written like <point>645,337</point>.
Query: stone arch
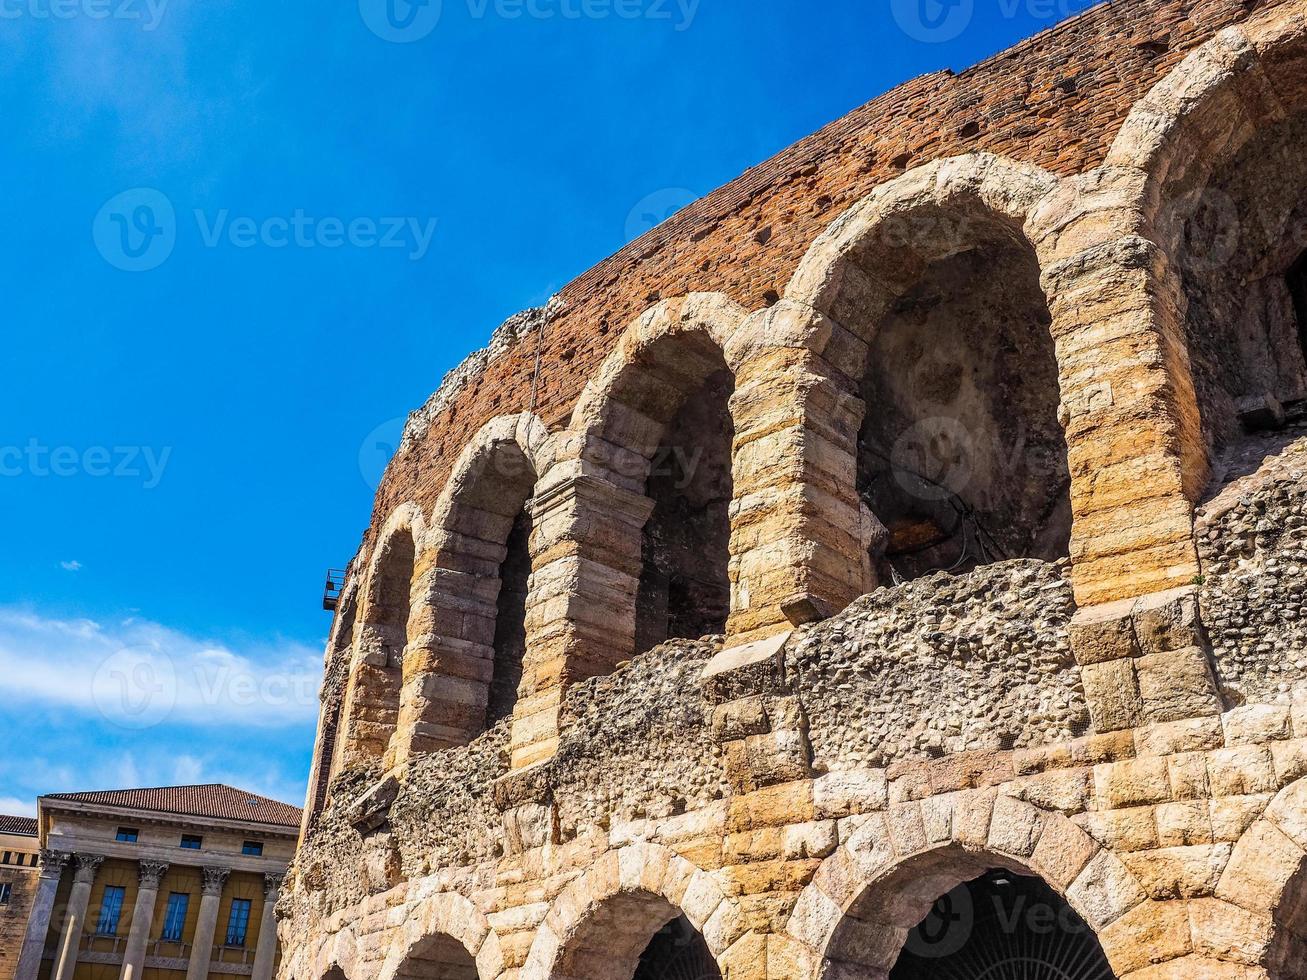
<point>464,670</point>
<point>858,910</point>
<point>927,297</point>
<point>339,661</point>
<point>1258,917</point>
<point>444,937</point>
<point>656,421</point>
<point>1213,155</point>
<point>600,924</point>
<point>382,634</point>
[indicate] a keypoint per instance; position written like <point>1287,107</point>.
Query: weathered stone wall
<point>1128,724</point>
<point>1252,538</point>
<point>943,665</point>
<point>13,917</point>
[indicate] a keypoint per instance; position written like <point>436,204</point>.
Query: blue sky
<point>195,410</point>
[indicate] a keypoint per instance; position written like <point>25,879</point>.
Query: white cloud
<point>136,674</point>
<point>12,806</point>
<point>71,566</point>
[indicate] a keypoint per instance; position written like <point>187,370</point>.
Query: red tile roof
<point>210,800</point>
<point>21,826</point>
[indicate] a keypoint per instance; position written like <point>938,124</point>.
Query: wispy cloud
<point>13,806</point>
<point>71,566</point>
<point>136,675</point>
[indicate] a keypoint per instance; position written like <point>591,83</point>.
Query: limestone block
<point>1257,723</point>
<point>1232,816</point>
<point>1135,783</point>
<point>1190,735</point>
<point>1177,684</point>
<point>1241,771</point>
<point>1166,621</point>
<point>1112,692</point>
<point>1149,933</point>
<point>1133,829</point>
<point>1184,824</point>
<point>1290,760</point>
<point>1104,891</point>
<point>972,813</point>
<point>1288,812</point>
<point>907,833</point>
<point>1188,776</point>
<point>1263,862</point>
<point>1015,827</point>
<point>838,794</point>
<point>740,718</point>
<point>1103,633</point>
<point>1063,851</point>
<point>1229,932</point>
<point>1179,872</point>
<point>817,839</point>
<point>1065,790</point>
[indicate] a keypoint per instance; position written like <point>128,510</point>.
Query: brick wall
<point>1056,100</point>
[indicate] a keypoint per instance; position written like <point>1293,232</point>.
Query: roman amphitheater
<point>892,566</point>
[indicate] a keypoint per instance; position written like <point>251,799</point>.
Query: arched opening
<point>962,457</point>
<point>510,621</point>
<point>471,675</point>
<point>372,703</point>
<point>958,913</point>
<point>438,958</point>
<point>1236,226</point>
<point>637,936</point>
<point>333,706</point>
<point>684,386</point>
<point>335,973</point>
<point>1002,926</point>
<point>677,952</point>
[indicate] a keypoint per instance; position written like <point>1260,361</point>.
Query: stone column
<point>207,926</point>
<point>799,548</point>
<point>580,616</point>
<point>265,955</point>
<point>38,922</point>
<point>151,873</point>
<point>70,940</point>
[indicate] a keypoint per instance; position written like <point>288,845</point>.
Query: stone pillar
<point>799,551</point>
<point>580,617</point>
<point>70,940</point>
<point>38,921</point>
<point>207,925</point>
<point>265,955</point>
<point>151,873</point>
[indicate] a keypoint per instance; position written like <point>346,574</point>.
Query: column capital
<point>152,873</point>
<point>87,866</point>
<point>54,862</point>
<point>215,879</point>
<point>272,882</point>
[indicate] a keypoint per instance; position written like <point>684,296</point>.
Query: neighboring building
<point>174,883</point>
<point>19,858</point>
<point>891,566</point>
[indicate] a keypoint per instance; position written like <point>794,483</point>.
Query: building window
<point>8,855</point>
<point>254,848</point>
<point>174,920</point>
<point>111,910</point>
<point>238,923</point>
<point>128,835</point>
<point>6,891</point>
<point>191,843</point>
